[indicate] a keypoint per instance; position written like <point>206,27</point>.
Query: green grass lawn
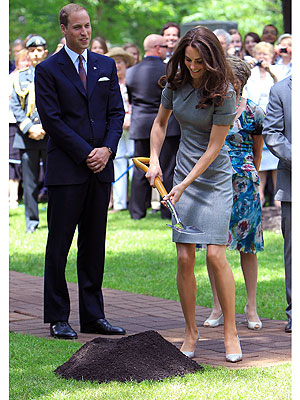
<point>33,360</point>
<point>141,258</point>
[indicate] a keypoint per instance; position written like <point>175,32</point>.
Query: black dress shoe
<point>103,327</point>
<point>288,327</point>
<point>62,330</point>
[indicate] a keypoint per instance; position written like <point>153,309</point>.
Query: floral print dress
<point>245,229</point>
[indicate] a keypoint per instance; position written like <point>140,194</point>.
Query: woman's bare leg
<point>249,267</point>
<point>225,286</point>
<point>216,310</point>
<point>187,289</point>
<point>262,184</point>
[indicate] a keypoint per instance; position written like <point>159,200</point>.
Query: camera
<point>237,51</point>
<point>283,50</point>
<point>258,64</point>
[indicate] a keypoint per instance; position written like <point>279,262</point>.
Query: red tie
<point>82,72</point>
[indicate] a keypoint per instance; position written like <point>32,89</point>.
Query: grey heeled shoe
<point>191,354</point>
<point>233,358</point>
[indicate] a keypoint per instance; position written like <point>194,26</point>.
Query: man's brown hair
<point>66,11</point>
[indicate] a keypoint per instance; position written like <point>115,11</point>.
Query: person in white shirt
<point>283,63</point>
<point>257,89</point>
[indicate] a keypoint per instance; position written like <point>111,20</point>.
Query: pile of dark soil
<point>146,355</point>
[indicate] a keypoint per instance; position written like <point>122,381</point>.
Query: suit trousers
<point>83,205</point>
<point>30,159</point>
<point>140,196</point>
<point>286,211</point>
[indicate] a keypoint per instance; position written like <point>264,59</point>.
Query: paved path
<point>138,313</point>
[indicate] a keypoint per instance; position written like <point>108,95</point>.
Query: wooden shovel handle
<point>140,162</point>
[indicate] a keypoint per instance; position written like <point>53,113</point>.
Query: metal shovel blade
<point>179,226</point>
<point>188,229</point>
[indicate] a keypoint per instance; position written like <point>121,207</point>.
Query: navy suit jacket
<point>75,121</point>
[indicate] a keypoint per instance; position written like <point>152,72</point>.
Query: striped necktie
<point>82,72</point>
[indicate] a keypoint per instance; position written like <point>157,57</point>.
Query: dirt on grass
<point>144,356</point>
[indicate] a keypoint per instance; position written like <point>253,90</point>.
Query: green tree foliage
<point>120,21</point>
<point>251,16</point>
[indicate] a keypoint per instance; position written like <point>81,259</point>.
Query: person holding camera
<point>236,44</point>
<point>257,89</point>
<point>283,63</point>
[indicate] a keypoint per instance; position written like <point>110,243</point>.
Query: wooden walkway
<point>138,313</point>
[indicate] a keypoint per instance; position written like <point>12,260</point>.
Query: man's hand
<point>97,159</point>
<point>36,132</point>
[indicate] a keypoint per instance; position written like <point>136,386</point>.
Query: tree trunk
<point>287,15</point>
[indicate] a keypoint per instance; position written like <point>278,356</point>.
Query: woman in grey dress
<point>200,94</point>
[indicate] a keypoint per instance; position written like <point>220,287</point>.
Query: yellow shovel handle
<point>140,162</point>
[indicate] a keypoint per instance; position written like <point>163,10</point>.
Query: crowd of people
<point>196,106</point>
<point>270,59</point>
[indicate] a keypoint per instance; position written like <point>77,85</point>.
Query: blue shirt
<point>75,58</point>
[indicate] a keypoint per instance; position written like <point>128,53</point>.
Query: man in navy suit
<point>144,91</point>
<point>80,106</point>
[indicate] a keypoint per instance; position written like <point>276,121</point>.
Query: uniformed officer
<point>30,138</point>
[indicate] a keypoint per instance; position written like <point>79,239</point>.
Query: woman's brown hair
<point>217,75</point>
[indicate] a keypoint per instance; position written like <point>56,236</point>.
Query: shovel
<point>179,226</point>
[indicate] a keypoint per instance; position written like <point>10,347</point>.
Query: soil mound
<point>146,355</point>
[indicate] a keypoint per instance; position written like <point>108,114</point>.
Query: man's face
<point>269,34</point>
<point>78,31</point>
<point>171,36</point>
<point>222,40</point>
<point>37,54</point>
<point>162,48</point>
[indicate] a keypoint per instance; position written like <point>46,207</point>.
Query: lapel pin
<point>95,67</point>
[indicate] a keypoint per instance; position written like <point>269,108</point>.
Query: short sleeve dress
<point>207,202</point>
<point>245,228</point>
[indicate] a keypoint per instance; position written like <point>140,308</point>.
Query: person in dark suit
<point>171,32</point>
<point>144,95</point>
<point>31,138</point>
<point>81,108</point>
<point>277,134</point>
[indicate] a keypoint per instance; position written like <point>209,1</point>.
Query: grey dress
<point>207,202</point>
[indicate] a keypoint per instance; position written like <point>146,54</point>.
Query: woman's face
<point>286,42</point>
<point>236,40</point>
<point>194,63</point>
<point>23,62</point>
<point>121,67</point>
<point>134,52</point>
<point>96,47</point>
<point>249,44</point>
<point>264,55</point>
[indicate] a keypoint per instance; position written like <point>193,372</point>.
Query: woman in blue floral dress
<point>244,144</point>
